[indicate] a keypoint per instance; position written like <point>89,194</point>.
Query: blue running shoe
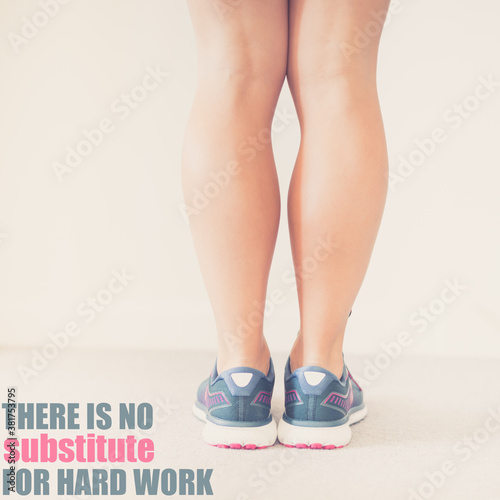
<point>319,408</point>
<point>236,406</point>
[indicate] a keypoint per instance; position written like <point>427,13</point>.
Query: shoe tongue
<point>241,379</point>
<point>313,378</point>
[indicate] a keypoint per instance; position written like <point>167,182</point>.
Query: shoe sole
<point>296,436</point>
<point>237,438</point>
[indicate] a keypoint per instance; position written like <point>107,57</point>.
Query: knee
<point>242,74</point>
<point>321,72</point>
<point>333,82</point>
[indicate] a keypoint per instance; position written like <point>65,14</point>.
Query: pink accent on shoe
<point>292,397</point>
<point>238,446</point>
<point>263,397</point>
<point>216,398</point>
<point>314,446</point>
<point>341,400</point>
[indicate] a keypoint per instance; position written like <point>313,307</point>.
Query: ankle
<point>329,359</point>
<point>256,357</point>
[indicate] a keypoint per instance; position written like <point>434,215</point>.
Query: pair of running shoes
<point>319,408</point>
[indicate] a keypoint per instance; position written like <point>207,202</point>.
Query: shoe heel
<point>248,438</point>
<point>297,436</point>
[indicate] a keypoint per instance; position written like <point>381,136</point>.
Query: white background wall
<point>60,242</point>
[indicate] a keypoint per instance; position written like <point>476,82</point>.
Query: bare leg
<point>339,184</point>
<point>242,65</point>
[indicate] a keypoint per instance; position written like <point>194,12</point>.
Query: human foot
<point>236,406</point>
<point>319,408</point>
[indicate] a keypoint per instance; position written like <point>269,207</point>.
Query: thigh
<point>331,38</point>
<point>240,41</point>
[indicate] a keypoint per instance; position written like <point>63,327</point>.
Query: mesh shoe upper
<point>239,396</point>
<point>316,397</point>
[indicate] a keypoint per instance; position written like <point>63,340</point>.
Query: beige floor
<point>420,413</point>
